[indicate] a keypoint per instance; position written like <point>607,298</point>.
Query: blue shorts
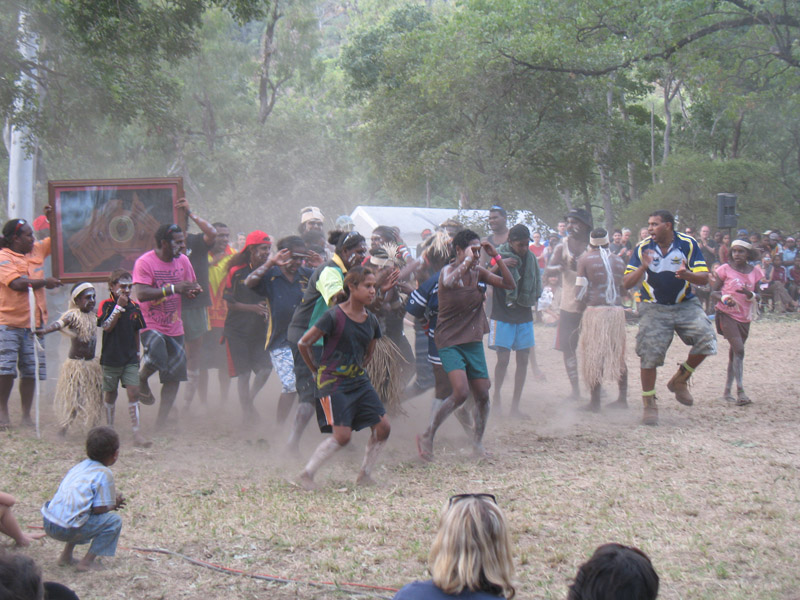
<point>16,350</point>
<point>511,336</point>
<point>465,357</point>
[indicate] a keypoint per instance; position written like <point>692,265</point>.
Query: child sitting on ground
<point>9,525</point>
<point>80,377</point>
<point>121,320</point>
<point>80,512</point>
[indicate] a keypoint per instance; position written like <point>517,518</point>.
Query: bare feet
<point>619,404</point>
<point>83,567</point>
<point>145,395</point>
<point>64,562</point>
<point>478,451</point>
<point>306,482</point>
<point>425,448</point>
<point>538,375</point>
<point>139,441</point>
<point>27,422</point>
<point>26,539</point>
<point>518,414</point>
<point>365,480</point>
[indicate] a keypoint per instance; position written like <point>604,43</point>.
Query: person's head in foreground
<point>615,572</point>
<point>20,578</point>
<point>472,550</point>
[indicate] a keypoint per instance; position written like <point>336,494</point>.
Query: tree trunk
<point>22,146</point>
<point>737,135</point>
<point>268,89</point>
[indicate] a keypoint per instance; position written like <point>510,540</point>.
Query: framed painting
<point>102,225</point>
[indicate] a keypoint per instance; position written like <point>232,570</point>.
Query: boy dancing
<point>121,320</point>
<point>79,381</point>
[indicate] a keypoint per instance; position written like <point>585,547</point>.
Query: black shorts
<point>248,354</point>
<point>568,332</point>
<point>305,380</point>
<point>356,408</point>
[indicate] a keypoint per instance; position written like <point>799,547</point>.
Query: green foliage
<point>691,182</point>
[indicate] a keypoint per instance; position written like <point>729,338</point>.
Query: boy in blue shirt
<point>80,512</point>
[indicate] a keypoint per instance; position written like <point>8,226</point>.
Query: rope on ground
<point>221,569</point>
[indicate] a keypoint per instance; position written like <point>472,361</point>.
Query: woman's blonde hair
<point>472,549</point>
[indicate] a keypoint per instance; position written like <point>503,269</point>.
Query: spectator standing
<point>311,219</point>
<point>21,268</point>
<point>707,245</point>
<point>161,279</point>
<point>789,251</point>
<point>194,311</point>
<point>537,247</point>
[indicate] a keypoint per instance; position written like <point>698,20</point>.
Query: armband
<point>581,281</point>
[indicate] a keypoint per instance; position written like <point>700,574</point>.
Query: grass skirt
<point>79,392</point>
<point>385,371</point>
<point>601,349</point>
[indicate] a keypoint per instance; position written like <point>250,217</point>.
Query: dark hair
<point>219,224</point>
<point>20,578</point>
<point>101,443</point>
<point>665,216</point>
<point>10,231</point>
<point>619,231</point>
<point>118,274</point>
<point>386,233</point>
<point>353,278</point>
<point>345,240</point>
<point>240,258</point>
<point>165,232</point>
<point>519,232</point>
<point>290,241</point>
<point>599,232</point>
<point>618,572</point>
<point>463,238</point>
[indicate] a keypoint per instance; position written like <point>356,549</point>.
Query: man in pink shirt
<point>160,278</point>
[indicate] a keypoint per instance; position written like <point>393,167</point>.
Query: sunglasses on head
<point>19,225</point>
<point>458,497</point>
<point>349,235</point>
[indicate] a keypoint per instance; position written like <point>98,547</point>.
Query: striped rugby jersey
<point>660,284</point>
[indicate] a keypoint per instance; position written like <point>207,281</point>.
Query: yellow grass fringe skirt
<point>385,370</point>
<point>601,349</point>
<point>79,392</point>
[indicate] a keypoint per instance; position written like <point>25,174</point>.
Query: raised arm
<point>209,231</point>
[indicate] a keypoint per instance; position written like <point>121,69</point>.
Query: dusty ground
<point>712,495</point>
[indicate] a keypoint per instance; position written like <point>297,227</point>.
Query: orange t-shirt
<point>14,310</point>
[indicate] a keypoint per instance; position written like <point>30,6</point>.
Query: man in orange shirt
<point>21,267</point>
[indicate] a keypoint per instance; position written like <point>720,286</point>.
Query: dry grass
<point>712,495</point>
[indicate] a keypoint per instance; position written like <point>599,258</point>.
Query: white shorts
<point>284,365</point>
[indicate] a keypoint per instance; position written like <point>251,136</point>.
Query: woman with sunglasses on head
<point>325,282</point>
<point>471,556</point>
<point>21,268</point>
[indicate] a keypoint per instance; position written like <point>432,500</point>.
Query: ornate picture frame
<point>101,225</point>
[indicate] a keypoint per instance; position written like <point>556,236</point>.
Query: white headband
<point>597,242</point>
<point>80,289</point>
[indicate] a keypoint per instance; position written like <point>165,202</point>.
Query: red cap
<point>254,238</point>
<point>40,223</point>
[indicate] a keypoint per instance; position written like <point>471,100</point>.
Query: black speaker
<point>726,211</point>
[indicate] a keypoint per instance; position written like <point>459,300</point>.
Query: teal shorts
<point>465,357</point>
<point>195,323</point>
<point>128,375</point>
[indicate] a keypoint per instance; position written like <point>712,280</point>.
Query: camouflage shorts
<point>658,323</point>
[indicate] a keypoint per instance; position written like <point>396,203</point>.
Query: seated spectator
<point>9,525</point>
<point>471,556</point>
<point>21,579</point>
<point>789,251</point>
<point>615,572</point>
<point>776,276</point>
<point>793,279</point>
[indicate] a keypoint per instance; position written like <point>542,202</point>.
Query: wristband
<point>164,291</point>
<point>117,309</point>
<point>172,286</point>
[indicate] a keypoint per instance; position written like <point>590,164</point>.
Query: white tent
<point>412,220</point>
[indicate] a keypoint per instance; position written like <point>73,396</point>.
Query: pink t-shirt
<point>732,280</point>
<point>164,314</point>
